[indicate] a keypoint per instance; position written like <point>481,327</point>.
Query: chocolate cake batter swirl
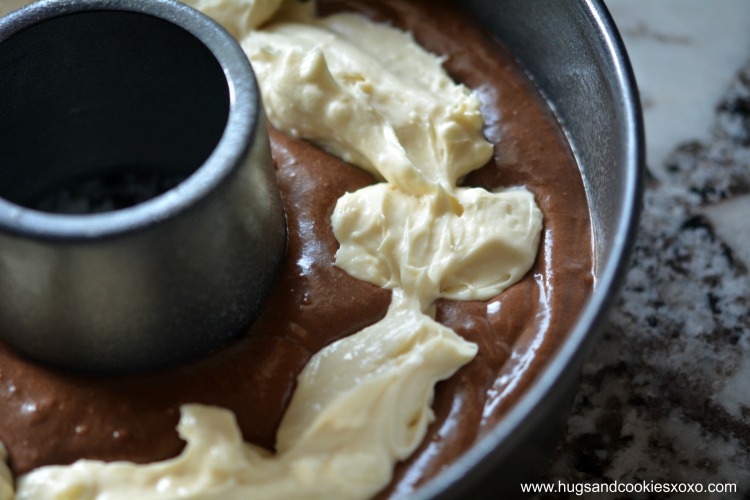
<point>52,417</point>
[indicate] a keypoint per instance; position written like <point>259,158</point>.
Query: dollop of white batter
<point>371,95</point>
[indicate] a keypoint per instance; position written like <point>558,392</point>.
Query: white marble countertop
<point>665,394</point>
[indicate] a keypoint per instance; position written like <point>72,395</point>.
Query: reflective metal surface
<point>576,57</point>
<point>91,91</point>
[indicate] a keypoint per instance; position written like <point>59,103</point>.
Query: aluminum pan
<point>574,53</point>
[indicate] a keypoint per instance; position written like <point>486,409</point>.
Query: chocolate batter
<point>53,417</point>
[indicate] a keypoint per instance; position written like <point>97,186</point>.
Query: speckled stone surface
<point>665,394</point>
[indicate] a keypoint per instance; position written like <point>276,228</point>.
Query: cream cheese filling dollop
<point>371,95</point>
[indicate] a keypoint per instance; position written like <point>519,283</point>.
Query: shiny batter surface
<point>50,417</point>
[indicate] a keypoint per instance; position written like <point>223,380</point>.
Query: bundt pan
<point>574,54</point>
